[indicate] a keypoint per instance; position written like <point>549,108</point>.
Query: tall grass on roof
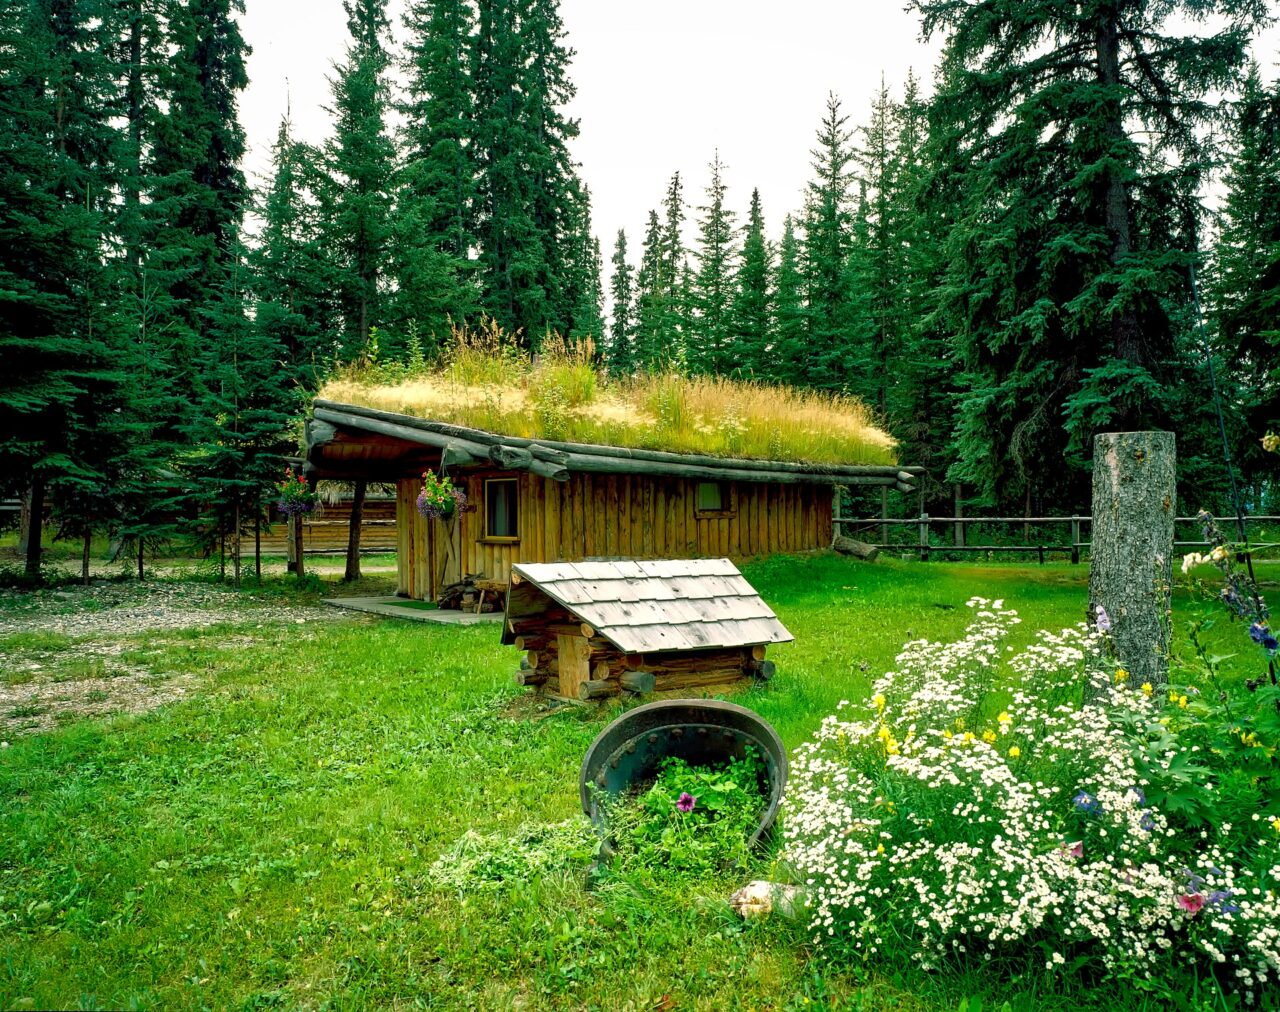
<point>485,382</point>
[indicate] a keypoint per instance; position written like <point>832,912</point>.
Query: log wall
<point>611,516</point>
<point>326,532</point>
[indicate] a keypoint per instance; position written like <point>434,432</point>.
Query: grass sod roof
<point>560,398</point>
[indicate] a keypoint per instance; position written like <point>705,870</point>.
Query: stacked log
<point>464,594</point>
<point>608,672</point>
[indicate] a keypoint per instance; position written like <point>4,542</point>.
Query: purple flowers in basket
<point>439,498</point>
<point>294,494</point>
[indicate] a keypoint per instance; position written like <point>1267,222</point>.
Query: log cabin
<point>541,500</point>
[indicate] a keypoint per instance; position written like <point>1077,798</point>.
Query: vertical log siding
<point>608,516</point>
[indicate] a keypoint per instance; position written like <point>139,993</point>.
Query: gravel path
<point>125,609</point>
<point>45,684</point>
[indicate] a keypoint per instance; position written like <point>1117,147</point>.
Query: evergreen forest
<point>1072,225</point>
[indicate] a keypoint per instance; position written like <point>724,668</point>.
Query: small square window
<point>500,509</point>
<point>711,495</point>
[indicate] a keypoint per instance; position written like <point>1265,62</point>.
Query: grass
<point>266,841</point>
<point>488,384</point>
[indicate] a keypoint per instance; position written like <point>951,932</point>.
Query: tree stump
<point>1131,555</point>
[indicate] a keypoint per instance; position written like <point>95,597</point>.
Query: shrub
<point>942,816</point>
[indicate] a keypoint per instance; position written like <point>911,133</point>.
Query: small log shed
<point>596,629</point>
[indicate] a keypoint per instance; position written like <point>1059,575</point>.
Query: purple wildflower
<point>1263,636</point>
<point>1220,898</point>
<point>1102,619</point>
<point>685,802</point>
<point>1146,823</point>
<point>1087,803</point>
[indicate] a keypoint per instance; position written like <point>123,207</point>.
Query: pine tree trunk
<point>84,555</point>
<point>257,544</point>
<point>142,548</point>
<point>353,533</point>
<point>35,527</point>
<point>1125,329</point>
<point>24,523</point>
<point>1131,557</point>
<point>235,543</point>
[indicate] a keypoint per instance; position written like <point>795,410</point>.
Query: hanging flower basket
<point>294,495</point>
<point>439,498</point>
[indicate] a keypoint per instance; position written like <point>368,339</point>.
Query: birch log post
<point>1131,557</point>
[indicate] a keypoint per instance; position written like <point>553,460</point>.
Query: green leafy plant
<point>692,820</point>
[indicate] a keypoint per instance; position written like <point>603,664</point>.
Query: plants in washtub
<point>440,498</point>
<point>294,494</point>
<point>690,821</point>
<point>947,819</point>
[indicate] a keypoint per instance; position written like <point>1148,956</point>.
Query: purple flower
<point>1087,803</point>
<point>685,802</point>
<point>1146,823</point>
<point>1263,636</point>
<point>1220,897</point>
<point>1102,619</point>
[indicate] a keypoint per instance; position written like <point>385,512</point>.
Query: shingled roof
<point>649,607</point>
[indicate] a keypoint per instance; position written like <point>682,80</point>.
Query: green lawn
<point>266,840</point>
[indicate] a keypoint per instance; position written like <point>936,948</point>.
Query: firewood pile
<point>464,594</point>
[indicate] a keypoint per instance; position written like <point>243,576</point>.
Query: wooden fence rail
<point>924,543</point>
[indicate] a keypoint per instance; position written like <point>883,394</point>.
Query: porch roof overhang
<point>348,441</point>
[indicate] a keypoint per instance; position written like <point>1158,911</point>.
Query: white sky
<point>661,85</point>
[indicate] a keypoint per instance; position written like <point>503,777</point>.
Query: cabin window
<point>501,522</point>
<point>714,498</point>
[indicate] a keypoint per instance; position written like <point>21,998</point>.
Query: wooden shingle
<point>655,605</point>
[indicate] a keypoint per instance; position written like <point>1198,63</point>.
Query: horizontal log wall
<point>614,516</point>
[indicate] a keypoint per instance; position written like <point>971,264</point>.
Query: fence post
<point>959,533</point>
<point>924,537</point>
<point>1075,541</point>
<point>884,515</point>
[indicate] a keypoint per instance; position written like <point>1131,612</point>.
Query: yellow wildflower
<point>1275,824</point>
<point>1121,676</point>
<point>879,848</point>
<point>878,700</point>
<point>946,734</point>
<point>1248,739</point>
<point>1004,718</point>
<point>1015,752</point>
<point>968,736</point>
<point>884,734</point>
<point>1147,688</point>
<point>988,736</point>
<point>1270,442</point>
<point>1182,702</point>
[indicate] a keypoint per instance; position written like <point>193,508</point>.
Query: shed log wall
<point>606,516</point>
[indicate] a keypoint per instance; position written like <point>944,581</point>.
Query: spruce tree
<point>712,296</point>
<point>293,276</point>
<point>878,268</point>
<point>652,300</point>
<point>435,225</point>
<point>827,236</point>
<point>751,325</point>
<point>360,160</point>
<point>621,351</point>
<point>789,361</point>
<point>1062,290</point>
<point>58,383</point>
<point>196,190</point>
<point>1245,286</point>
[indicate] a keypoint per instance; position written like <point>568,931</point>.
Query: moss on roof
<point>561,396</point>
